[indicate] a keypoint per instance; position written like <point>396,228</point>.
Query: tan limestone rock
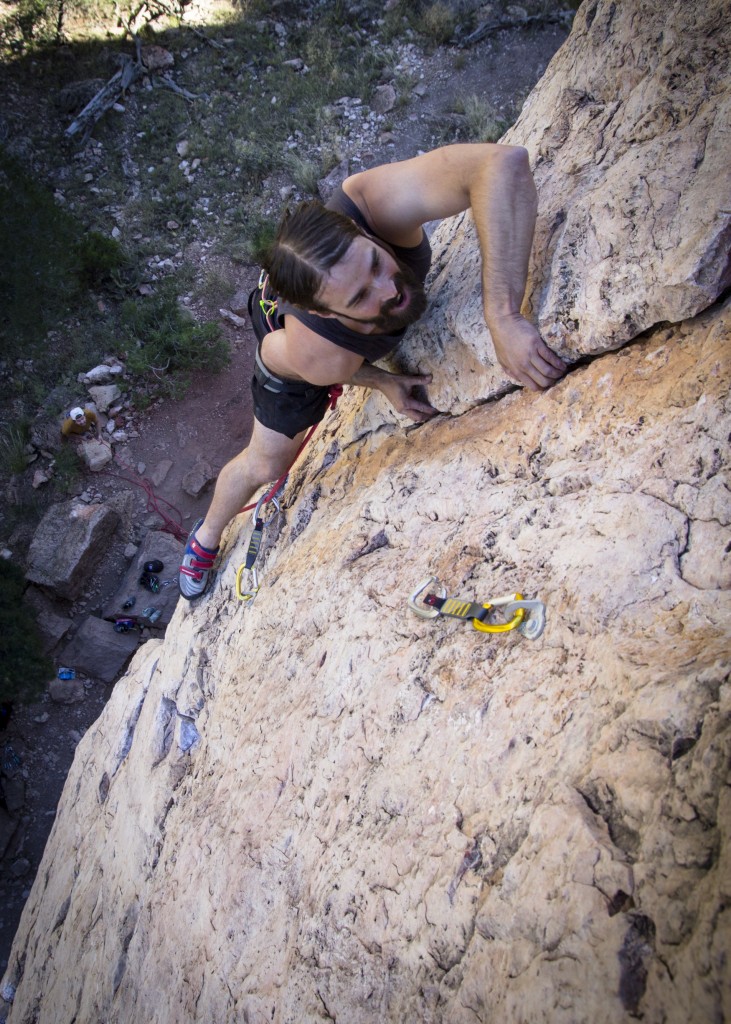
<point>628,138</point>
<point>321,800</point>
<point>317,805</point>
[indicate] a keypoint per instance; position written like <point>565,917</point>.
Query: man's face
<point>370,286</point>
<point>80,419</point>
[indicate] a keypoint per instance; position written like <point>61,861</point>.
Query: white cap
<point>75,413</point>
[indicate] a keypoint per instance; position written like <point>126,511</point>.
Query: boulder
<point>52,624</point>
<point>99,651</point>
<point>96,454</point>
<point>68,545</point>
<point>327,185</point>
<point>199,478</point>
<point>103,374</point>
<point>66,691</point>
<point>45,435</point>
<point>105,395</point>
<point>383,99</point>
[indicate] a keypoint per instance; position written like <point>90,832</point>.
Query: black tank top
<point>370,346</point>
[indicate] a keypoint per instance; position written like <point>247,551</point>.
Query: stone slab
<point>98,651</point>
<point>165,548</point>
<point>68,545</point>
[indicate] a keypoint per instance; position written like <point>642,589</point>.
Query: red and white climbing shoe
<point>195,569</point>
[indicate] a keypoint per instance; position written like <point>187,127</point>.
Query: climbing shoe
<point>195,569</point>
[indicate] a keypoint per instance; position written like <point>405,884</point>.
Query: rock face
<point>67,546</point>
<point>628,137</point>
<point>318,806</point>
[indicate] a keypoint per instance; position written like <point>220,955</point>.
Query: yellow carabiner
<point>250,594</point>
<point>501,627</point>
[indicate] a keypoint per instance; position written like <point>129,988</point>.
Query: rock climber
<point>348,278</point>
<point>81,421</point>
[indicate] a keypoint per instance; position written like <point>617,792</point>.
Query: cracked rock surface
<point>628,138</point>
<point>321,804</point>
<point>318,806</point>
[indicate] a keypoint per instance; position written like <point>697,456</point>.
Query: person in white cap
<point>81,421</point>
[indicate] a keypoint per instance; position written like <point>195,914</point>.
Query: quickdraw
<point>267,306</point>
<point>528,617</point>
<point>249,592</point>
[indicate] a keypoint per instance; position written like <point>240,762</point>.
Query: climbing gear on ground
<point>124,625</point>
<point>248,567</point>
<point>195,568</point>
<point>528,617</point>
<point>151,613</point>
<point>150,582</point>
<point>66,673</point>
<point>129,603</point>
<point>153,567</point>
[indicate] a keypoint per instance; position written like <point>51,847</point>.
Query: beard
<point>391,319</point>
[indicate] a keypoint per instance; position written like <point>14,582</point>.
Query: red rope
<point>176,528</point>
<point>153,500</point>
<point>336,391</point>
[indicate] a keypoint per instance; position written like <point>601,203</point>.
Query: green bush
<point>437,23</point>
<point>99,260</point>
<point>161,337</point>
<point>24,669</point>
<point>67,469</point>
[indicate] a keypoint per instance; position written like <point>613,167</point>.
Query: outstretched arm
<point>504,203</point>
<point>496,182</point>
<point>398,389</point>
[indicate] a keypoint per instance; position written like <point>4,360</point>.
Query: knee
<point>258,467</point>
<point>266,467</point>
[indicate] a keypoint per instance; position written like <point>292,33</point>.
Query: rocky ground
<point>213,422</point>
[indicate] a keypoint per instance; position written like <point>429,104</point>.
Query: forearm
<point>504,205</point>
<point>398,388</point>
<point>369,376</point>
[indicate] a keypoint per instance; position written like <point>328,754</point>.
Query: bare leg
<point>268,456</point>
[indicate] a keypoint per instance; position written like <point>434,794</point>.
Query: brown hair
<point>309,242</point>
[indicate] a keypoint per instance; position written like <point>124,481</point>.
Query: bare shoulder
<point>313,358</point>
<point>397,199</point>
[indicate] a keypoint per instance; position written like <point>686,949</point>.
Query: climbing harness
<point>248,567</point>
<point>528,617</point>
<point>247,576</point>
